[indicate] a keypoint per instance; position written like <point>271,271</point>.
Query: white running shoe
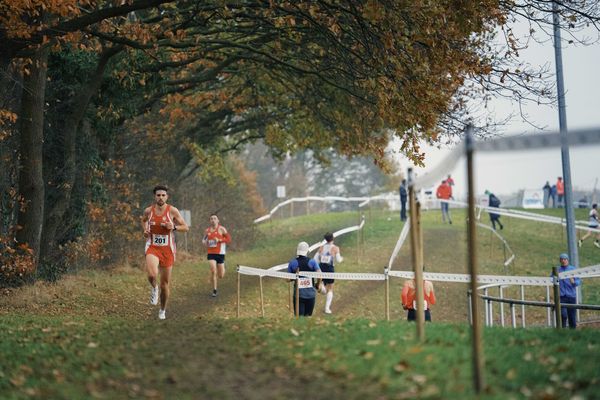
<point>579,243</point>
<point>154,296</point>
<point>162,314</point>
<point>327,311</point>
<point>597,244</point>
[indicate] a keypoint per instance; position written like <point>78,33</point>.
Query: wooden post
<point>298,293</point>
<point>557,310</point>
<point>292,209</point>
<point>491,244</point>
<point>387,294</point>
<point>476,337</point>
<point>414,244</point>
<point>290,303</point>
<point>419,286</point>
<point>262,304</point>
<point>238,293</point>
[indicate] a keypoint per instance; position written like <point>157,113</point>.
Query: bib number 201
<point>160,240</point>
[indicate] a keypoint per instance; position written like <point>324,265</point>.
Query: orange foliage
<point>16,263</point>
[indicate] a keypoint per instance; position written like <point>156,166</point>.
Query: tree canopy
<point>91,88</point>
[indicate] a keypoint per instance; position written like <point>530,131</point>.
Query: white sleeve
<point>338,256</point>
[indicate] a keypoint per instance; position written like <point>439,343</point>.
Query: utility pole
<point>564,138</point>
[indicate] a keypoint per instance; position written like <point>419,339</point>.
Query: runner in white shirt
<point>327,256</point>
<point>594,222</point>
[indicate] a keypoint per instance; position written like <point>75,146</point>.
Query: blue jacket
<point>567,289</point>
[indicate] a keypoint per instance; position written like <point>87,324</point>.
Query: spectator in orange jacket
<point>444,192</point>
<point>560,191</point>
<point>409,299</point>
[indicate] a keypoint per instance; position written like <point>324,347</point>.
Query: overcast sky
<point>506,173</point>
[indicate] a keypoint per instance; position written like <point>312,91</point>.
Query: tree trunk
<point>31,181</point>
<point>56,211</point>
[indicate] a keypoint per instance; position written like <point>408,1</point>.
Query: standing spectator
<point>494,202</point>
<point>403,196</point>
<point>444,192</point>
<point>450,181</point>
<point>560,191</point>
<point>553,195</point>
<point>593,223</point>
<point>568,293</point>
<point>409,300</point>
<point>547,188</point>
<point>307,291</point>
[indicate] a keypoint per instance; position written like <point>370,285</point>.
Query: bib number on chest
<point>326,259</point>
<point>212,243</point>
<point>304,283</point>
<point>160,240</point>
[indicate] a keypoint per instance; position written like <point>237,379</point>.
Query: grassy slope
<point>94,334</point>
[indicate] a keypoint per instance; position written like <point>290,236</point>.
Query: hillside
<point>94,335</point>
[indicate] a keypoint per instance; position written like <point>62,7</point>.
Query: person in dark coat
<point>403,196</point>
<point>494,202</point>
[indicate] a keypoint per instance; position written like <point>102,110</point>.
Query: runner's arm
<point>178,221</point>
<point>144,221</point>
<point>226,236</point>
<point>338,255</point>
<point>316,268</point>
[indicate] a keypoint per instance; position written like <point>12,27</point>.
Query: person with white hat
<point>307,290</point>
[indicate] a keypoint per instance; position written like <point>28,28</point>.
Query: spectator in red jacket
<point>444,192</point>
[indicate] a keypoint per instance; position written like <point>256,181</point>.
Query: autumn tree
<point>203,79</point>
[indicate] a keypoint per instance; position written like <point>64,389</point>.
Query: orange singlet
<point>161,242</point>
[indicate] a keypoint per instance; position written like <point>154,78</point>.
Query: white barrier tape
<point>587,272</point>
<point>580,137</point>
<point>245,270</point>
<point>512,257</point>
<point>348,276</point>
<point>386,197</point>
<point>322,242</point>
<point>466,278</point>
<point>575,137</point>
<point>441,170</point>
<point>399,243</point>
<point>309,198</point>
<point>522,215</point>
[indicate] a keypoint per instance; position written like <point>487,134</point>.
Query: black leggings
<point>412,315</point>
<point>305,307</point>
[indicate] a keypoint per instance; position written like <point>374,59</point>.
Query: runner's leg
<point>220,270</point>
<point>152,268</point>
<point>213,273</point>
<point>329,297</point>
<point>165,290</point>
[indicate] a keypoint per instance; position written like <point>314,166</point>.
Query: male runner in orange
<point>215,239</point>
<point>159,223</point>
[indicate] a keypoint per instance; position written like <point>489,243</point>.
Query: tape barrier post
<point>358,246</point>
<point>262,303</point>
<point>290,302</point>
<point>476,339</point>
<point>387,294</point>
<point>238,291</point>
<point>298,293</point>
<point>557,311</point>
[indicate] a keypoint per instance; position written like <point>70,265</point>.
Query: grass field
<point>93,335</point>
